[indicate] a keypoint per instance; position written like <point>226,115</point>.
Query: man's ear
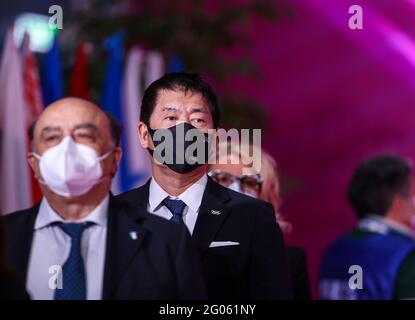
<point>397,204</point>
<point>117,159</point>
<point>144,136</point>
<point>33,163</point>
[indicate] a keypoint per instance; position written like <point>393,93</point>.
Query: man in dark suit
<point>82,243</point>
<point>240,245</point>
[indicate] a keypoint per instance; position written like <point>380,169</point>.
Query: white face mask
<point>235,186</point>
<point>70,168</point>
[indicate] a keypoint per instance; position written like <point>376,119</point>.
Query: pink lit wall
<point>333,96</point>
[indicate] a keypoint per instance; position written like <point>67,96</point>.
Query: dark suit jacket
<point>161,264</point>
<point>257,268</point>
<point>299,274</point>
<point>11,287</point>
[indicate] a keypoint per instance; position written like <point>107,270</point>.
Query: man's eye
<point>84,136</point>
<point>170,118</point>
<point>198,120</point>
<point>51,138</point>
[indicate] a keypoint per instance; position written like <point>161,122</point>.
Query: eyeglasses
<point>247,183</point>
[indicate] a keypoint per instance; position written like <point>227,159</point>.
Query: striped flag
<point>15,187</point>
<point>33,98</point>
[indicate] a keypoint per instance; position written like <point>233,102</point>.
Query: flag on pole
<point>155,67</point>
<point>15,186</point>
<point>52,85</point>
<point>137,162</point>
<point>175,64</point>
<point>33,98</point>
<point>111,95</point>
<point>122,96</point>
<point>32,90</point>
<point>79,86</point>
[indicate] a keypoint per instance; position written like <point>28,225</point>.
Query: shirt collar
<point>47,215</point>
<point>192,196</point>
<point>378,223</point>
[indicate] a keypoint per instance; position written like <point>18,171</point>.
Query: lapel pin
<point>215,212</point>
<point>133,235</point>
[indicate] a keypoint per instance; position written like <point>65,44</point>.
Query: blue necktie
<point>73,271</point>
<point>176,207</point>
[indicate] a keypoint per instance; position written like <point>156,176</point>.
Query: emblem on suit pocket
<point>215,212</point>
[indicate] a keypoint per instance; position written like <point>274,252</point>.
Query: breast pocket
<point>222,259</point>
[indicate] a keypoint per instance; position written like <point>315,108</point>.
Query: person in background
<point>240,246</point>
<point>80,242</point>
<point>375,260</point>
<point>262,183</point>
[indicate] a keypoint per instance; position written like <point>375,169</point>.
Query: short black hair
<point>115,129</point>
<point>179,81</point>
<point>376,182</point>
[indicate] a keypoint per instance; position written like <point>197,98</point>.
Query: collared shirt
<point>192,197</point>
<point>379,224</point>
<point>51,247</point>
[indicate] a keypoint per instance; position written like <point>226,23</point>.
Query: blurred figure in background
<point>261,183</point>
<point>376,260</point>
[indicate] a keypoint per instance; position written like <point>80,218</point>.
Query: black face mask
<point>182,148</point>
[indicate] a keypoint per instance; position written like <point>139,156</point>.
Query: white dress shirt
<point>192,197</point>
<point>51,246</point>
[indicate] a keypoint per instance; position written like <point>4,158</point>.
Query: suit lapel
<point>139,197</point>
<point>124,239</point>
<point>212,213</point>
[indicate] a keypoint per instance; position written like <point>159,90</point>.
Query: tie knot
<point>176,207</point>
<point>74,230</point>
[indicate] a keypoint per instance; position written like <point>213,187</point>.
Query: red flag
<point>79,82</point>
<point>33,98</point>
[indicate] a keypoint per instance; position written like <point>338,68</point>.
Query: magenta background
<point>333,96</point>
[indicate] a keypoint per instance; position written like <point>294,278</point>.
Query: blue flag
<point>51,75</point>
<point>111,95</point>
<point>112,101</point>
<point>175,64</point>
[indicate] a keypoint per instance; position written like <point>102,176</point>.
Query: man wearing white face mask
<point>80,242</point>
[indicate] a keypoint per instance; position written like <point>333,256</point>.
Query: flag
<point>111,95</point>
<point>155,67</point>
<point>137,166</point>
<point>52,87</point>
<point>78,86</point>
<point>15,187</point>
<point>33,99</point>
<point>175,64</point>
<point>32,90</point>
